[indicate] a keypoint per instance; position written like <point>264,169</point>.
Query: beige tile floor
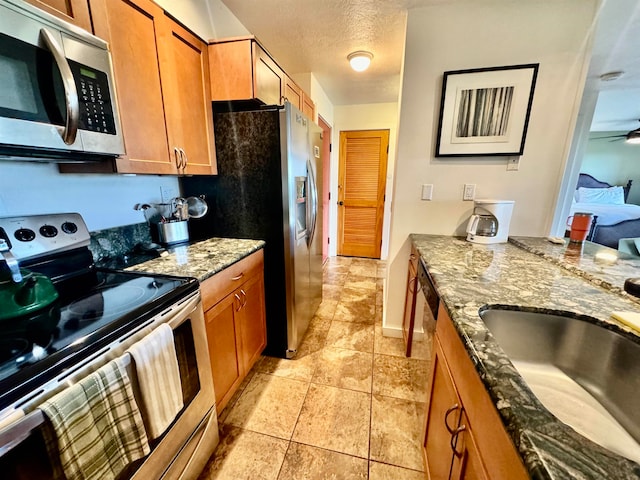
<point>349,406</point>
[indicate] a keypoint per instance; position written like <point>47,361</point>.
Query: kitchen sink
<point>584,373</point>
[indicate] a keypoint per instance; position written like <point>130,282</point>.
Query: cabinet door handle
<point>185,159</point>
<point>239,302</point>
<point>176,152</point>
<point>238,277</point>
<point>413,285</point>
<point>244,297</point>
<point>454,440</point>
<point>449,411</point>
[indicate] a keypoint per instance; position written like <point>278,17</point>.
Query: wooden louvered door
<point>362,175</point>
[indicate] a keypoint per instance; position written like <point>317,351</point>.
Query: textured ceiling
<point>616,48</point>
<point>317,35</point>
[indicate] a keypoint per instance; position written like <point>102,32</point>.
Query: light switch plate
<point>427,191</point>
<point>513,163</point>
<point>469,192</point>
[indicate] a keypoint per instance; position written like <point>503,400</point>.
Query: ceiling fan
<point>630,137</point>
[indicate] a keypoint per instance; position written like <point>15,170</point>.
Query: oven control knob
<point>69,227</point>
<point>48,231</point>
<point>24,234</point>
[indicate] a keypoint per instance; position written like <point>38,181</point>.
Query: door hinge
<point>329,195</point>
<point>387,149</point>
<point>328,240</point>
<point>384,197</point>
<point>330,146</point>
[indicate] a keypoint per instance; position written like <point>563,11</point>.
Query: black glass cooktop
<point>94,307</point>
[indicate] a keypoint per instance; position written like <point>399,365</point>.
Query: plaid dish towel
<point>97,424</point>
<point>159,379</point>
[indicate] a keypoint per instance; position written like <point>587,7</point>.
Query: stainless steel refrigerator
<point>268,187</point>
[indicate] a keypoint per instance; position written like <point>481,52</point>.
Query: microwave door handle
<point>70,91</point>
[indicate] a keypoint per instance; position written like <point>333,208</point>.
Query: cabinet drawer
<point>223,283</point>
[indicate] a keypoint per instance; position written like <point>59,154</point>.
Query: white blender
<point>490,221</point>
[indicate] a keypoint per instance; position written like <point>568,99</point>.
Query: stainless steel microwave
<point>57,96</point>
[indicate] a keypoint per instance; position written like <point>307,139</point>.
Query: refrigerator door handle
<point>314,201</point>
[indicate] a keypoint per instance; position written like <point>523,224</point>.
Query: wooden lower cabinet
<point>464,436</point>
<point>235,320</point>
<point>251,321</point>
<point>408,320</point>
<point>467,460</point>
<point>226,365</point>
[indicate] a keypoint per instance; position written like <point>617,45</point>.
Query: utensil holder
<point>173,232</point>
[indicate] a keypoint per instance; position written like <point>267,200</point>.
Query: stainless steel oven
<point>98,315</point>
<point>57,97</point>
<point>181,452</point>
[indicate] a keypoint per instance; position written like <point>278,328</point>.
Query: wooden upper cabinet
<point>268,78</point>
<point>184,70</point>
<point>308,107</point>
<point>162,84</point>
<point>240,69</point>
<point>73,11</point>
<point>293,93</point>
<point>133,28</point>
<point>230,70</point>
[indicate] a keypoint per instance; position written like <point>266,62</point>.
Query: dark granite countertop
<point>532,275</point>
<point>601,265</point>
<point>202,259</point>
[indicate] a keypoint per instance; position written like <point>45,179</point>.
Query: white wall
<point>374,116</point>
<point>210,19</point>
<point>471,35</point>
<point>614,162</point>
<point>104,201</point>
<point>309,83</point>
<point>107,201</point>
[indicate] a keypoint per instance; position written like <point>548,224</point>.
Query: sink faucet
<point>12,263</point>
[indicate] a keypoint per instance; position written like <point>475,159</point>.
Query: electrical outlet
<point>427,191</point>
<point>167,193</point>
<point>513,163</point>
<point>469,192</point>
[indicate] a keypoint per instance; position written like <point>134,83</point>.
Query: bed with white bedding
<point>614,218</point>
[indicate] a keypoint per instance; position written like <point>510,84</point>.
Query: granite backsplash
<point>114,243</point>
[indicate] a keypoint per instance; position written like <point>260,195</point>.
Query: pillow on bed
<point>608,196</point>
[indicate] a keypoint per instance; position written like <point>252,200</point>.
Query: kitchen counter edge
<point>462,273</point>
<point>201,260</point>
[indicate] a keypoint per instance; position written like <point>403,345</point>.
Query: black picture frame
<point>485,111</point>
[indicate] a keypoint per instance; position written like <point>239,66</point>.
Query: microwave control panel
<point>96,110</point>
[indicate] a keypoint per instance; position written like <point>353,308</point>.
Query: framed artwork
<point>485,111</point>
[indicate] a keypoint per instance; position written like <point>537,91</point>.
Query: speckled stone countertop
<point>468,276</point>
<point>200,260</point>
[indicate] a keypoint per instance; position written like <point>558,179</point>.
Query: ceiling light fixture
<point>611,76</point>
<point>633,136</point>
<point>360,60</point>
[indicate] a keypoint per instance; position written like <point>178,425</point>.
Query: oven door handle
<point>70,91</point>
<point>16,433</point>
